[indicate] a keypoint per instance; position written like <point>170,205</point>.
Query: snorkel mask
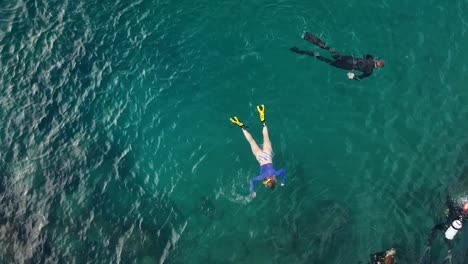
<point>267,181</point>
<point>270,182</point>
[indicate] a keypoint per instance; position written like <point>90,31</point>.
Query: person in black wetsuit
<point>457,209</point>
<point>384,257</point>
<point>366,65</point>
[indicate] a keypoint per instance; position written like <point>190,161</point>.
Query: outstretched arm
<point>282,173</point>
<point>252,183</point>
<point>363,75</point>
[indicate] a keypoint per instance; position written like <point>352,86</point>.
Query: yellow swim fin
<point>237,122</point>
<point>261,112</point>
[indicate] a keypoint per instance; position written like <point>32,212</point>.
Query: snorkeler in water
<point>384,257</point>
<point>365,65</point>
<point>455,215</point>
<point>264,156</point>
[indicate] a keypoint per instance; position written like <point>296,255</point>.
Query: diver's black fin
<point>314,40</point>
<point>426,258</point>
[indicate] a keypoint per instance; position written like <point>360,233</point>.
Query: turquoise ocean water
<point>116,146</point>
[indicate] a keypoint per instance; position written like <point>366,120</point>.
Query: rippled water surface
<point>116,146</point>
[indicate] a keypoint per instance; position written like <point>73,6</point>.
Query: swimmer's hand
<point>253,194</point>
<point>350,75</point>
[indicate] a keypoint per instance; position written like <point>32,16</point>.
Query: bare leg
<point>255,148</point>
<point>266,141</point>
